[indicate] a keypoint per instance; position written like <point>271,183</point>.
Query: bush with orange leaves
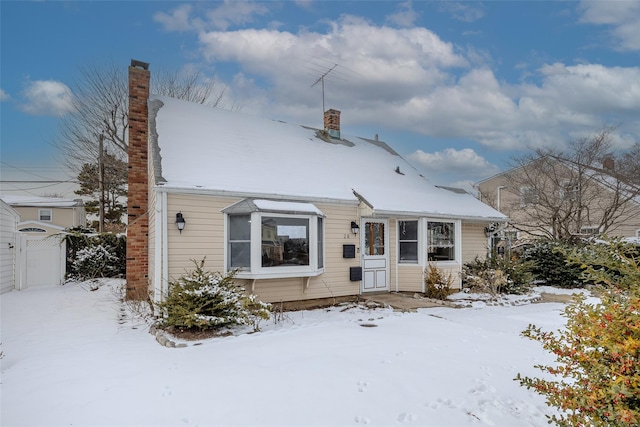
<point>597,371</point>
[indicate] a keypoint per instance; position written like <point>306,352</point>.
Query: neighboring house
<point>36,239</point>
<point>48,215</point>
<point>300,213</point>
<point>581,201</point>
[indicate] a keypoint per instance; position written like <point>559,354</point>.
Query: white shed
<point>9,247</point>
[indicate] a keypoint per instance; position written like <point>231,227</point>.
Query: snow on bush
<point>203,300</point>
<point>95,261</point>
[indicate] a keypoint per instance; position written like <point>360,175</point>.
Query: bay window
<point>271,239</point>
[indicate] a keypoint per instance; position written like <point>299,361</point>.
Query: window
<point>569,191</point>
<point>590,230</point>
<point>33,230</point>
<point>373,238</point>
<point>511,235</point>
<point>44,215</point>
<point>441,241</point>
<point>528,196</point>
<point>239,241</point>
<point>408,242</point>
<point>285,241</point>
<point>270,239</point>
<point>320,242</point>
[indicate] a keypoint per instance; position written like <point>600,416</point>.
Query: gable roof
<point>598,175</point>
<point>200,148</point>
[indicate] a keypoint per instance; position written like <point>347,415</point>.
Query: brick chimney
<point>332,123</point>
<point>137,204</point>
<point>608,163</point>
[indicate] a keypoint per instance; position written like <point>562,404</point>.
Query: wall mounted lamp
<point>180,222</point>
<point>354,227</point>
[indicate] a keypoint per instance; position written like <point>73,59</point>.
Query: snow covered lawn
<point>72,358</point>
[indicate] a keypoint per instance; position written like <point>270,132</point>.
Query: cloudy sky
<point>458,88</point>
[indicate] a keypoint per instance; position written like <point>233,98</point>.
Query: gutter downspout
<point>165,246</point>
<point>157,265</point>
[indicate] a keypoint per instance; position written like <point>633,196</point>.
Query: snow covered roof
<point>35,201</point>
<point>205,148</point>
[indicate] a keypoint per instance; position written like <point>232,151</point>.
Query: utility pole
<point>101,181</point>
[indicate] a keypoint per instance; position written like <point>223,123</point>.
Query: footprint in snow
<point>362,386</point>
<point>439,403</point>
<point>407,417</point>
<point>361,420</point>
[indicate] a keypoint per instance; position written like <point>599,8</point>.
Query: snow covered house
<point>47,215</point>
<point>301,213</point>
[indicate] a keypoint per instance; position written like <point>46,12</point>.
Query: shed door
<point>44,261</point>
<point>375,257</point>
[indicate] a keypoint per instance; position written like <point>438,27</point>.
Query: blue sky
<point>458,88</point>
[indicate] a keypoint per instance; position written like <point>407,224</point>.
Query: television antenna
<point>321,79</point>
<point>328,70</point>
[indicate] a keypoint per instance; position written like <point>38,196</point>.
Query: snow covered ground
<point>74,356</point>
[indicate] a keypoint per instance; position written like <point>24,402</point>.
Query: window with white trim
<point>271,239</point>
<point>441,241</point>
<point>511,235</point>
<point>528,196</point>
<point>590,230</point>
<point>33,230</point>
<point>45,215</point>
<point>408,242</point>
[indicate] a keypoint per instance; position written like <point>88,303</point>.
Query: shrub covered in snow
<point>497,275</point>
<point>95,261</point>
<point>204,300</point>
<point>437,282</point>
<point>95,255</point>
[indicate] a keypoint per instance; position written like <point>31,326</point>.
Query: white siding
<point>203,236</point>
<point>8,247</point>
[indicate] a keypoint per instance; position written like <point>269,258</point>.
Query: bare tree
<point>560,194</point>
<point>101,108</point>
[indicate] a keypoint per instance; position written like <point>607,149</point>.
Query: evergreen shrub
<point>550,266</point>
<point>202,300</point>
<point>95,255</point>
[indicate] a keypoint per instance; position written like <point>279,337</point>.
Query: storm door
<point>375,258</point>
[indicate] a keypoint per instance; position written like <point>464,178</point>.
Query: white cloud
<point>226,14</point>
<point>466,12</point>
<point>404,17</point>
<point>46,98</point>
<point>410,79</point>
<point>3,95</point>
<point>622,16</point>
<point>235,12</point>
<point>178,20</point>
<point>462,163</point>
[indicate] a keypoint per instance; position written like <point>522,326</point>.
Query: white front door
<point>375,257</point>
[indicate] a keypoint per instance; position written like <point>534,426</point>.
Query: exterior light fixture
<point>180,222</point>
<point>354,227</point>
